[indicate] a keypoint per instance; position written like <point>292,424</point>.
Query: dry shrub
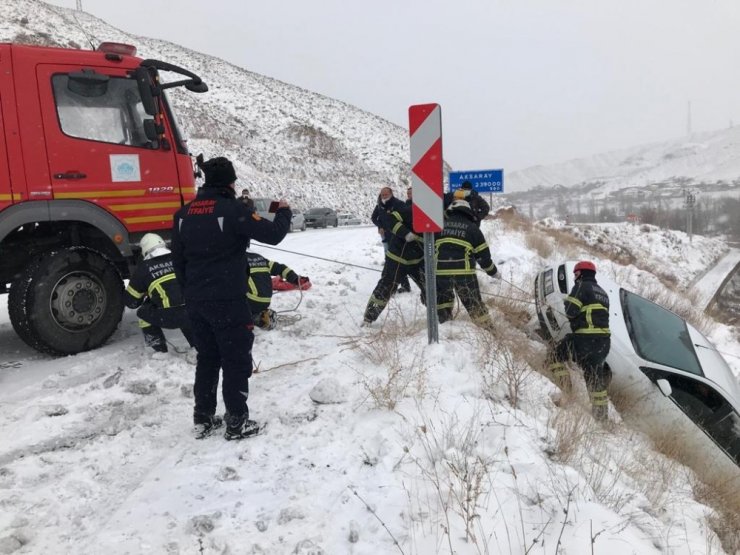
<point>572,428</point>
<point>459,472</point>
<point>512,304</point>
<point>403,375</point>
<point>506,361</point>
<point>514,221</point>
<point>538,242</point>
<point>724,498</point>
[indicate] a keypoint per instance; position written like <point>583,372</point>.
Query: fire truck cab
<point>91,158</point>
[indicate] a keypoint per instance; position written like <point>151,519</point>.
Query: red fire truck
<point>91,158</point>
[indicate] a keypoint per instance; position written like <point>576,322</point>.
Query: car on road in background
<point>654,350</point>
<point>298,221</point>
<point>345,218</point>
<point>321,217</point>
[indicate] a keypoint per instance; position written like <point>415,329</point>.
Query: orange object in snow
<point>279,284</point>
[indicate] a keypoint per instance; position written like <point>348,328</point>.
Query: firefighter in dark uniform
<point>404,257</point>
<point>386,202</point>
<point>209,238</point>
<point>587,308</point>
<point>478,204</point>
<point>259,287</point>
<point>457,248</point>
<point>154,290</point>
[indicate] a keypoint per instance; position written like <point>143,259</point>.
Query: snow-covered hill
<point>285,141</point>
<point>700,158</point>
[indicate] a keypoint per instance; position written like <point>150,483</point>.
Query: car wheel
<point>290,230</point>
<point>303,227</point>
<point>336,223</point>
<point>66,301</point>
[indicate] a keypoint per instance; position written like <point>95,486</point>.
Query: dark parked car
<point>321,217</point>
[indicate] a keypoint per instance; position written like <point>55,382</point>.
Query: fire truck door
<point>97,149</point>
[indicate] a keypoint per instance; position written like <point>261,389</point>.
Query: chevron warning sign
<point>425,128</point>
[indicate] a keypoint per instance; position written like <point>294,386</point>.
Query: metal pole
<point>431,288</point>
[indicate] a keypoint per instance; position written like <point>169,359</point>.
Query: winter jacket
<point>154,278</point>
<point>587,307</point>
<point>460,245</point>
<point>478,204</point>
<point>381,207</point>
<point>259,288</point>
<point>209,239</point>
<point>396,224</point>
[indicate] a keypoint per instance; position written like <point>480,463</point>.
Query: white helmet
<point>459,203</point>
<point>149,242</point>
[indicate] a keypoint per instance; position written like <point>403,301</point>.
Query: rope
<point>321,258</point>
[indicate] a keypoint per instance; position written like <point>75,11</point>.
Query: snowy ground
<point>96,453</point>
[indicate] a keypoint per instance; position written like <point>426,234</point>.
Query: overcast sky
<point>520,82</point>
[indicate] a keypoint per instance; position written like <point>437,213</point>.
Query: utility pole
<point>690,200</point>
<point>79,5</point>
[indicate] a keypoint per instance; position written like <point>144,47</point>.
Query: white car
<point>298,221</point>
<point>345,218</point>
<point>654,349</point>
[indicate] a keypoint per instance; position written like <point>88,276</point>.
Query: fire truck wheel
<point>66,301</point>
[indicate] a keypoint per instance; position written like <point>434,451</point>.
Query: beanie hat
<point>219,172</point>
<point>466,185</point>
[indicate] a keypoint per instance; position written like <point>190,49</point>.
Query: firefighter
<point>478,204</point>
<point>154,290</point>
<point>587,309</point>
<point>259,287</point>
<point>404,257</point>
<point>209,238</point>
<point>458,247</point>
<point>386,203</point>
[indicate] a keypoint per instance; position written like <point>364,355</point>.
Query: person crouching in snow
<point>259,287</point>
<point>154,290</point>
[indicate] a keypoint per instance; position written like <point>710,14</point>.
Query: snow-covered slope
<point>96,454</point>
<point>700,158</point>
<point>285,141</point>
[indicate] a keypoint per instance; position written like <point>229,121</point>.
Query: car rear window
<point>659,335</point>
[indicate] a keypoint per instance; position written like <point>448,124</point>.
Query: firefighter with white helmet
<point>458,248</point>
<point>154,290</point>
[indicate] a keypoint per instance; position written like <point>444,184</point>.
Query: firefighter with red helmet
<point>587,309</point>
<point>458,247</point>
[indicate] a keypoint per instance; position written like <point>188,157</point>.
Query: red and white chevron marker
<point>425,128</point>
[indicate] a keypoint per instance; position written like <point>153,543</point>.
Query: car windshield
<point>659,335</point>
<point>316,211</point>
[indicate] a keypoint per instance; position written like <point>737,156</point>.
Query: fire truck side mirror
<point>147,90</point>
<point>197,87</point>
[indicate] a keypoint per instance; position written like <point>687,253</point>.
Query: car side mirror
<point>664,386</point>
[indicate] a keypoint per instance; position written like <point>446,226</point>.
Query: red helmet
<point>585,265</point>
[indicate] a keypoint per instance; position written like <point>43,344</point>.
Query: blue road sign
<point>484,181</point>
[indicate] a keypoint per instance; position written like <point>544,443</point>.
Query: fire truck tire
<point>66,301</point>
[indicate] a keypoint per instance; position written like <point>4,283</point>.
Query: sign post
<point>425,130</point>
